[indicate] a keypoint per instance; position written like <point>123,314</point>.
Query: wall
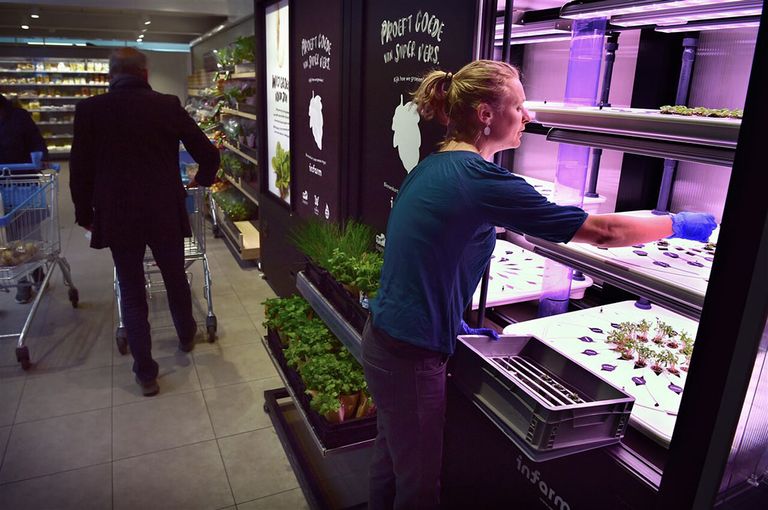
<point>717,82</point>
<point>168,72</point>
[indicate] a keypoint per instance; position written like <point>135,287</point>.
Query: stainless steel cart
<point>194,250</point>
<point>30,241</point>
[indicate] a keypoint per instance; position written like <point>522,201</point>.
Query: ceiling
<point>170,22</point>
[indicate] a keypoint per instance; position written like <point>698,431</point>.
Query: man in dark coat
<point>127,190</point>
<point>19,138</point>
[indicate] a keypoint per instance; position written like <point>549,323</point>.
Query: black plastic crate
<point>332,435</point>
<point>346,304</point>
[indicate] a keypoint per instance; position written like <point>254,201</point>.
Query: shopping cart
<point>30,241</point>
<point>194,249</point>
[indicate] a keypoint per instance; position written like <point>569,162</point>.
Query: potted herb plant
<point>644,353</point>
<point>641,330</point>
<point>334,381</point>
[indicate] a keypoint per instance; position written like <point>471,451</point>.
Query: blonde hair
<point>453,98</point>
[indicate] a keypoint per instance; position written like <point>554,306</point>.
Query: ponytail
<point>430,97</point>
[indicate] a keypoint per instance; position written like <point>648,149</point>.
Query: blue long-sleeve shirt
<point>440,237</point>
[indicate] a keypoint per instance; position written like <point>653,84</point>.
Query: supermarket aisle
<point>75,432</point>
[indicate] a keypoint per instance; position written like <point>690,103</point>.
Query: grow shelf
<point>244,188</point>
<point>517,276</point>
<point>636,122</point>
<point>581,337</point>
<point>671,272</point>
<point>547,404</point>
<point>239,113</point>
<point>317,436</point>
<point>338,325</point>
<point>240,152</point>
<point>243,76</point>
<point>674,136</point>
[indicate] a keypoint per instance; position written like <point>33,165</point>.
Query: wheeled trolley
<point>194,250</point>
<point>30,241</point>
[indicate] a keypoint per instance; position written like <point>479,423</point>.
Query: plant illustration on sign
<point>407,137</point>
<point>316,119</point>
<point>281,164</point>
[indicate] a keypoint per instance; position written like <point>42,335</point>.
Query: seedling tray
<point>331,435</point>
<point>547,403</point>
<point>582,336</point>
<point>517,275</point>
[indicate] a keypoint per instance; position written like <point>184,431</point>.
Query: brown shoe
<point>149,388</point>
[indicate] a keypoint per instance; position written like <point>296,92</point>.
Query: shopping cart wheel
<point>216,231</point>
<point>266,408</point>
<point>74,297</point>
<point>121,337</point>
<point>210,326</point>
<point>22,356</point>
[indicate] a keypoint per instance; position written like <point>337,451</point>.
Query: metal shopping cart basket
<point>30,241</point>
<point>194,249</point>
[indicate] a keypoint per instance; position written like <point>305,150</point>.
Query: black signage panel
<point>404,40</point>
<point>316,107</point>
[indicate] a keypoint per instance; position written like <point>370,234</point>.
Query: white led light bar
<point>610,8</point>
<point>697,13</point>
<point>698,26</point>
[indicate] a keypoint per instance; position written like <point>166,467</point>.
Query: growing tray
<point>347,305</point>
<point>517,275</point>
<point>581,335</point>
<point>331,435</point>
<point>639,123</point>
<point>548,404</point>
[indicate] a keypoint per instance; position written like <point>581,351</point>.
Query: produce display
<point>235,205</point>
<point>345,252</point>
<point>332,378</point>
<point>699,111</point>
<point>18,252</point>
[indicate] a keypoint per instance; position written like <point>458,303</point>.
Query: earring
<point>487,131</point>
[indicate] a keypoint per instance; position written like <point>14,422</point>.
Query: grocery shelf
<point>102,85</point>
<point>49,110</point>
<point>243,76</point>
<point>232,111</point>
<point>54,137</point>
<point>51,72</point>
<point>342,329</point>
<point>243,236</point>
<point>240,153</point>
<point>54,123</point>
<point>246,190</point>
<point>47,97</point>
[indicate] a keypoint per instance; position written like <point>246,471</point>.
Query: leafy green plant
<point>281,164</point>
<point>232,165</point>
<point>224,57</point>
<point>342,267</point>
<point>308,339</point>
<point>244,50</point>
<point>329,376</point>
<point>368,273</point>
<point>282,314</point>
<point>316,239</point>
<point>235,205</point>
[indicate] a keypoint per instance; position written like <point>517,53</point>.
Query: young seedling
<point>644,353</point>
<point>641,331</point>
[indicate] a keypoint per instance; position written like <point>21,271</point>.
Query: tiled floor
<point>75,432</point>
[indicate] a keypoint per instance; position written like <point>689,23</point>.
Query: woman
<point>440,237</point>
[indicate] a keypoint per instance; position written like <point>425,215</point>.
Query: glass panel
<point>748,461</point>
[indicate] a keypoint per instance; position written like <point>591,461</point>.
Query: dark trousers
<point>129,264</point>
<point>408,387</point>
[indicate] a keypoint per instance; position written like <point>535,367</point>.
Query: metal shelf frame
<point>343,330</point>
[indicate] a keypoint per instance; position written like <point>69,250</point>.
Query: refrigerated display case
<point>49,88</point>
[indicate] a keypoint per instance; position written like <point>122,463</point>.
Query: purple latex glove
<point>693,226</point>
<point>465,329</point>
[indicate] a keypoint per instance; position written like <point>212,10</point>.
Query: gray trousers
<point>408,388</point>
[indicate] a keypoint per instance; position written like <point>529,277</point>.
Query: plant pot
<point>365,407</point>
<point>349,405</point>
